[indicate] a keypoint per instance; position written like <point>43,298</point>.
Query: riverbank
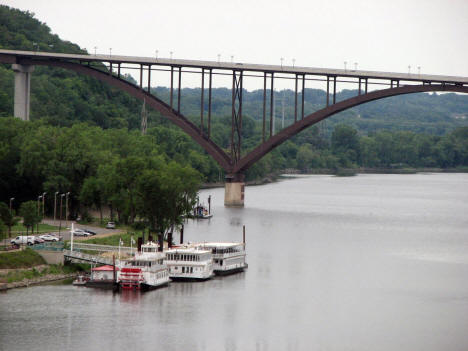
<point>23,268</point>
<point>271,178</point>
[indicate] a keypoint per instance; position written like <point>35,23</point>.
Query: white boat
<point>228,258</point>
<point>146,271</point>
<point>189,263</point>
<point>201,212</point>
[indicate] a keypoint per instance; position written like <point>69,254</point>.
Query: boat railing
<point>228,254</point>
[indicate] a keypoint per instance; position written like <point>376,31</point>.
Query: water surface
<point>372,262</point>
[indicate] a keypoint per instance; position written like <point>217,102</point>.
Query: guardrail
<point>57,246</point>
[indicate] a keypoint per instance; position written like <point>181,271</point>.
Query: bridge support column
<point>234,190</point>
<point>22,90</point>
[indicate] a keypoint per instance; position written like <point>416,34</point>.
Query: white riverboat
<point>228,258</point>
<point>146,271</point>
<point>189,263</point>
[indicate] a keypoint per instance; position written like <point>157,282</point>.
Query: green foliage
<point>29,212</point>
<point>20,259</point>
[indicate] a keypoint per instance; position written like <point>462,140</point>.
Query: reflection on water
<point>373,262</point>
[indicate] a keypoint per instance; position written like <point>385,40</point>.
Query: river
<point>371,262</point>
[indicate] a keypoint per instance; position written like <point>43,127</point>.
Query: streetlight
<point>171,54</point>
<point>55,205</point>
<point>11,215</point>
<point>355,66</point>
<point>156,52</point>
<point>219,57</point>
<point>95,48</point>
<point>66,209</point>
<point>294,62</point>
<point>60,223</point>
<point>345,65</point>
<point>110,52</point>
<point>38,200</point>
<point>282,62</point>
<point>232,58</point>
<point>43,204</point>
<point>419,70</point>
<point>409,69</point>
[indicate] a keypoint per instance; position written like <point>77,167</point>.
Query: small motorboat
<point>81,280</point>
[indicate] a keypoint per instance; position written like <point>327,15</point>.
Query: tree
<point>8,218</point>
<point>165,194</point>
<point>28,210</point>
<point>345,144</point>
<point>2,228</point>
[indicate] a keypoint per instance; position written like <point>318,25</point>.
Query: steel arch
<point>166,111</point>
<point>256,154</point>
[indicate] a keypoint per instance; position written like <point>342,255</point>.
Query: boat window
<point>183,269</point>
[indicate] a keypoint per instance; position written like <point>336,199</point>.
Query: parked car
<point>38,240</point>
<point>110,225</point>
<point>49,237</point>
<point>23,240</point>
<point>89,231</point>
<point>80,232</point>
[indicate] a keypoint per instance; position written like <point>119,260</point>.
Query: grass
<point>17,276</point>
<point>43,228</point>
<point>114,239</point>
<point>20,259</point>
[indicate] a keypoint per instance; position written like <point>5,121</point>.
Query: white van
<point>23,239</point>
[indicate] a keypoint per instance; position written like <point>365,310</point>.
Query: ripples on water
<point>373,262</point>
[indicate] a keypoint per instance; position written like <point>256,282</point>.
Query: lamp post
<point>43,204</point>
<point>11,215</point>
<point>38,200</point>
<point>60,222</point>
<point>55,205</point>
<point>66,209</point>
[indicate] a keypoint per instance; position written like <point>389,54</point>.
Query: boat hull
<point>143,287</point>
<point>230,271</point>
<point>101,284</point>
<point>190,279</point>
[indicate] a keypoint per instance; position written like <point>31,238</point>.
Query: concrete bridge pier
<point>22,90</point>
<point>234,190</point>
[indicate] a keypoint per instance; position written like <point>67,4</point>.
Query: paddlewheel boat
<point>228,258</point>
<point>189,263</point>
<point>146,271</point>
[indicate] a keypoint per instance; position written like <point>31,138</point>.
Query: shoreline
<point>271,178</point>
<point>36,281</point>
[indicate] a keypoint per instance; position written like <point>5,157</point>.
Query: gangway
<point>76,256</point>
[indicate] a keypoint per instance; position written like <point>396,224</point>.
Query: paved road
<point>65,230</point>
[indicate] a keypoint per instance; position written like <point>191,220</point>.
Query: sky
<point>378,35</point>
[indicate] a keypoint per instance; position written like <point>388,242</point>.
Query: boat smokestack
<point>140,242</point>
<point>161,242</point>
<point>169,239</point>
<point>182,234</point>
<point>150,237</point>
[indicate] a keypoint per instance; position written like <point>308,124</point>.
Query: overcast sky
<point>377,34</point>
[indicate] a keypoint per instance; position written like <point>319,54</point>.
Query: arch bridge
<point>235,161</point>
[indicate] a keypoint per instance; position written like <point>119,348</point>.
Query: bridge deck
<point>236,66</point>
